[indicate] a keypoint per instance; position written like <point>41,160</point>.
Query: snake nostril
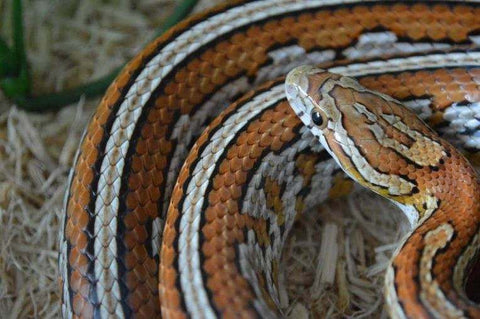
<point>291,90</point>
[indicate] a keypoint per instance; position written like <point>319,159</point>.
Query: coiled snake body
<point>178,206</point>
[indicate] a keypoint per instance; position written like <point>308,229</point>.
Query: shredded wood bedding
<point>335,258</point>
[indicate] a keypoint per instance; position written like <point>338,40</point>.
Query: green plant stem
<point>18,41</point>
<point>7,63</point>
<point>15,80</point>
<point>56,101</point>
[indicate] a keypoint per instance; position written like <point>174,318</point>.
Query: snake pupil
<point>317,118</point>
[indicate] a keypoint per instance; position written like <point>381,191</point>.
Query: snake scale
<point>179,205</point>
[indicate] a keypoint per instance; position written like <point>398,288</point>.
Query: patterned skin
<point>124,250</point>
<point>384,146</point>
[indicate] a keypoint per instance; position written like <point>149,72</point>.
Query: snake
<point>201,155</point>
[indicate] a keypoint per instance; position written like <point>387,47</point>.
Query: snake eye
<point>317,118</point>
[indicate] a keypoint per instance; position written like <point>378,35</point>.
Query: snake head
<point>374,138</point>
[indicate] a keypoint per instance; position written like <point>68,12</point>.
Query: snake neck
<point>429,272</point>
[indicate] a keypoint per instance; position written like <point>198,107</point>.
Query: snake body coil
<point>179,207</point>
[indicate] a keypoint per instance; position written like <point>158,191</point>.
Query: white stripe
<point>193,288</point>
<point>444,60</point>
<point>374,44</point>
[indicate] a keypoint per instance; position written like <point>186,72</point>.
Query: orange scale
<point>458,96</point>
<point>217,184</point>
<point>452,87</point>
<point>240,222</point>
<point>254,32</point>
<point>464,79</point>
<point>185,106</point>
<point>419,9</point>
<point>71,232</point>
<point>207,56</point>
<point>271,26</point>
<point>140,233</point>
<point>247,164</point>
<point>218,76</point>
<point>181,76</point>
<point>192,77</point>
<point>81,307</point>
<point>281,36</point>
<point>224,194</point>
<point>223,46</point>
<point>131,219</point>
<point>458,34</point>
<point>235,164</point>
<point>240,179</point>
<point>206,86</point>
<point>171,88</point>
<point>203,71</point>
<point>287,135</point>
<point>167,253</point>
<point>463,10</point>
<point>161,160</point>
<point>132,200</point>
<point>130,259</point>
<point>140,272</point>
<point>230,222</point>
<point>80,219</point>
<point>209,231</point>
<point>265,140</point>
<point>403,170</point>
<point>307,42</point>
<point>275,129</point>
<point>242,139</point>
<point>173,299</point>
<point>361,11</point>
<point>290,120</point>
<point>259,56</point>
<point>238,38</point>
<point>252,139</point>
<point>181,89</point>
<point>276,144</point>
<point>154,192</point>
<point>194,97</point>
<point>260,126</point>
<point>243,151</point>
<point>419,90</point>
<point>148,161</point>
<point>141,149</point>
<point>368,20</point>
<point>210,213</point>
<point>233,53</point>
<point>78,261</point>
<point>342,14</point>
<point>231,205</point>
<point>429,21</point>
<point>157,180</point>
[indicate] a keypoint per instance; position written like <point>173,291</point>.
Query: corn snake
<point>144,235</point>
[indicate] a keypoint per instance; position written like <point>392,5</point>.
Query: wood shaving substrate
<point>335,258</point>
